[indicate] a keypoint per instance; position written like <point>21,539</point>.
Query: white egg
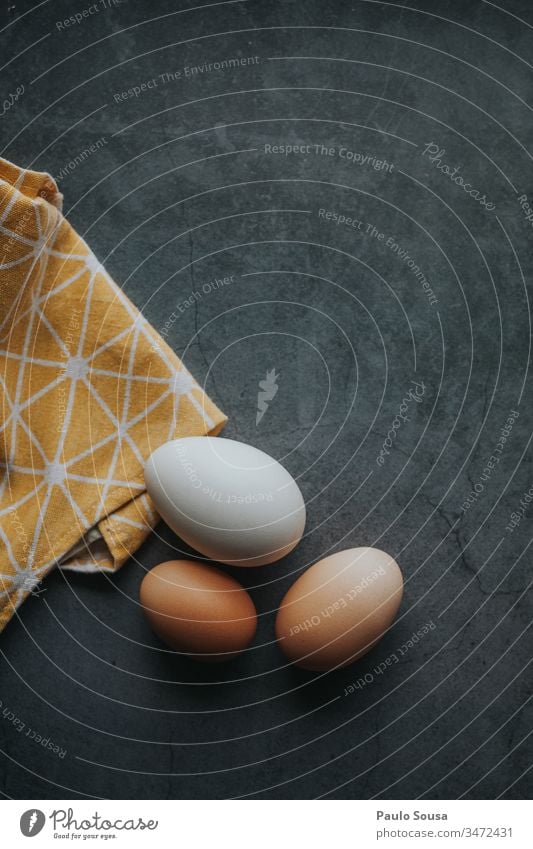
<point>228,500</point>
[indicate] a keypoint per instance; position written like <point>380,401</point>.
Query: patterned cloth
<point>88,390</point>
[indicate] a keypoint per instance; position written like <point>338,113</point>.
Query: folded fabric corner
<point>88,391</point>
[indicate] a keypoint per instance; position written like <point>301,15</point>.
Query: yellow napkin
<point>88,390</point>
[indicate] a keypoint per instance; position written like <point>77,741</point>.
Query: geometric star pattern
<point>88,390</point>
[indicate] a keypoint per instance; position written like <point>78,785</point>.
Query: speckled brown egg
<point>339,608</point>
<point>198,610</point>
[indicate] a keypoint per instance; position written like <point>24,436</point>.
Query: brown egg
<point>198,610</point>
<point>339,608</point>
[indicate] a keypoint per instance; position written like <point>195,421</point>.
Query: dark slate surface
<point>183,191</point>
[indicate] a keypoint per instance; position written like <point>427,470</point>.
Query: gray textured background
<point>182,192</point>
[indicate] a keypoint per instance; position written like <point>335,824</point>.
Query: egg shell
<point>228,500</point>
<point>198,610</point>
<point>339,608</point>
